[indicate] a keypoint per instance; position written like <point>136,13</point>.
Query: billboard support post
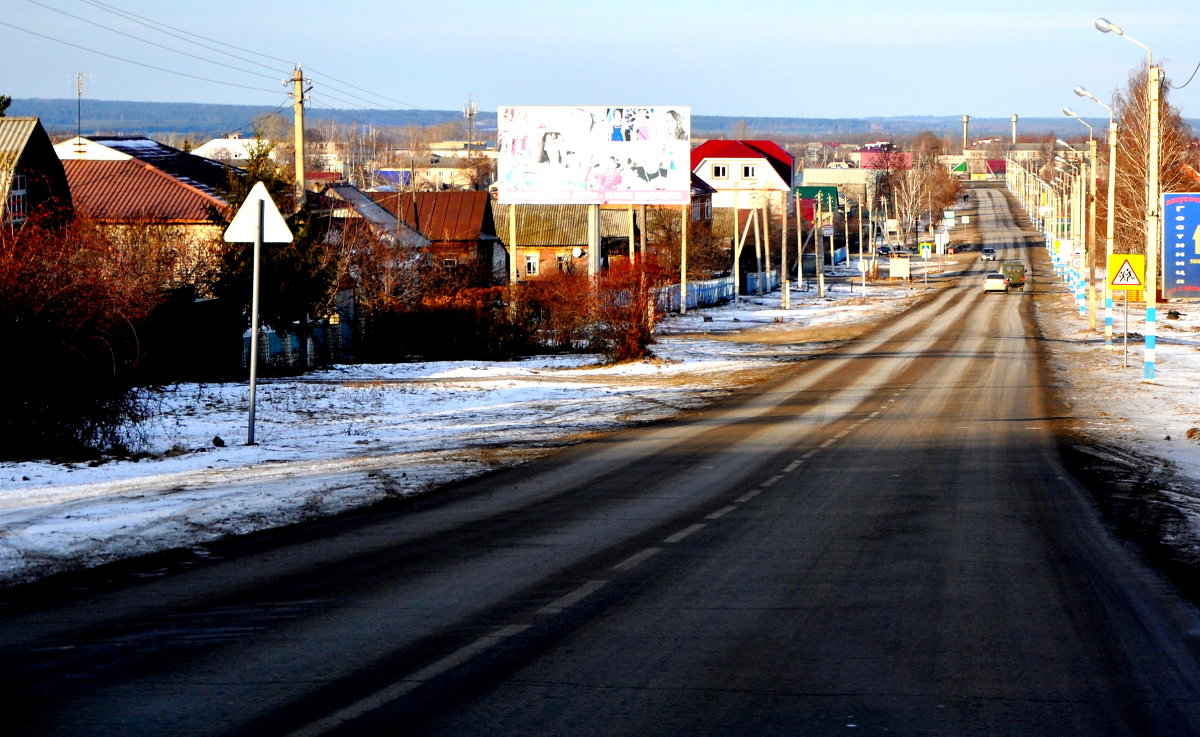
<point>683,234</point>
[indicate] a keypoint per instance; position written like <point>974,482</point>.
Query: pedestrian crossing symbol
<point>1125,271</point>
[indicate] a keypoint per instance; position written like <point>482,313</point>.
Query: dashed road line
<point>409,684</point>
<point>678,536</point>
<point>810,453</point>
<point>721,512</point>
<point>792,466</point>
<point>636,558</point>
<point>573,598</point>
<point>771,481</point>
<point>748,496</point>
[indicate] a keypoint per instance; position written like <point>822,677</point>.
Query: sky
<point>770,58</point>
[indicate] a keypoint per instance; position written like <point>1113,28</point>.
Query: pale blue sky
<point>765,58</point>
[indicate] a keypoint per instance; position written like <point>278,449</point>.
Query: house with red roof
<point>751,172</point>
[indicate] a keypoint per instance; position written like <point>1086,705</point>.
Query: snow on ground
<point>353,435</point>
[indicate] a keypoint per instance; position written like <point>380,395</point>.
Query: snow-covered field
<point>353,435</point>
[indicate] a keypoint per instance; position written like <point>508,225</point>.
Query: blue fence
<point>711,292</point>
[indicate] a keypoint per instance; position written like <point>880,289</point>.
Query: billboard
<point>594,155</point>
<point>1181,245</point>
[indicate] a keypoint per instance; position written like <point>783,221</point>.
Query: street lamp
<point>1089,255</point>
<point>1153,93</point>
<point>1110,218</point>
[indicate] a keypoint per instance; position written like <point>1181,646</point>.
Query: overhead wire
<point>189,36</point>
<point>132,61</point>
<point>149,42</point>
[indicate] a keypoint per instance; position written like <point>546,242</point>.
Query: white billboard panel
<point>594,155</point>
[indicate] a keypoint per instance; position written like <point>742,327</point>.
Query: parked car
<point>884,250</point>
<point>987,254</point>
<point>995,281</point>
<point>1015,271</point>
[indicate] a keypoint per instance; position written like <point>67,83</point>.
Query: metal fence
<point>711,292</point>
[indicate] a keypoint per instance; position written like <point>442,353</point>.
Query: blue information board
<point>1181,245</point>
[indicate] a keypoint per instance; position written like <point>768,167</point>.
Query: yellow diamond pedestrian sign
<point>1126,271</point>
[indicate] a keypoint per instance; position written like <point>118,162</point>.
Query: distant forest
<point>201,122</point>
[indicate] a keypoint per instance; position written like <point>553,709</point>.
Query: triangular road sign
<point>244,226</point>
<point>1126,276</point>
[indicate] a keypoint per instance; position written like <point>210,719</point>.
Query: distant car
<point>884,250</point>
<point>987,254</point>
<point>995,282</point>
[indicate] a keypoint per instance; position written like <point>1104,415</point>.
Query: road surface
<point>880,541</point>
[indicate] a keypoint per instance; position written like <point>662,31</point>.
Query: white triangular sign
<point>1126,276</point>
<point>244,226</point>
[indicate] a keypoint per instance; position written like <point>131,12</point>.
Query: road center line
<point>409,684</point>
<point>771,481</point>
<point>636,558</point>
<point>809,453</point>
<point>792,466</point>
<point>721,512</point>
<point>678,536</point>
<point>748,496</point>
<point>828,442</point>
<point>573,598</point>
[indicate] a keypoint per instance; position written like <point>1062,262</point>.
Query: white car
<point>987,254</point>
<point>995,282</point>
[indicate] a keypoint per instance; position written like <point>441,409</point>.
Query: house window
<point>564,263</point>
<point>449,263</point>
<point>749,171</point>
<point>720,171</point>
<point>18,202</point>
<point>531,264</point>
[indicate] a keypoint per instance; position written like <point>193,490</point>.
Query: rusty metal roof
<point>442,217</point>
<point>131,189</point>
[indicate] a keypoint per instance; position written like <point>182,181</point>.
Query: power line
<point>157,26</point>
<point>1185,84</point>
<point>131,61</point>
<point>147,41</point>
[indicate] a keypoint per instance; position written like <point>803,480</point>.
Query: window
<point>18,203</point>
<point>531,264</point>
<point>449,263</point>
<point>720,171</point>
<point>564,264</point>
<point>749,171</point>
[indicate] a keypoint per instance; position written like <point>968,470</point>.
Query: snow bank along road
<point>882,539</point>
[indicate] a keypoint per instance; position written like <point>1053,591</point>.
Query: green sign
<point>827,196</point>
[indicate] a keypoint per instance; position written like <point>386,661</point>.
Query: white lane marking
<point>842,434</point>
<point>809,454</point>
<point>721,512</point>
<point>828,442</point>
<point>874,415</point>
<point>409,684</point>
<point>573,598</point>
<point>636,558</point>
<point>748,496</point>
<point>684,533</point>
<point>792,466</point>
<point>771,481</point>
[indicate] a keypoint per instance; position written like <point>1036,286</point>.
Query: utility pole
<point>298,93</point>
<point>469,112</point>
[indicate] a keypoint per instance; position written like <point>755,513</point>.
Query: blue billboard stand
<point>1181,246</point>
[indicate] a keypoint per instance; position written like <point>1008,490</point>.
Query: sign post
<point>1181,243</point>
<point>258,220</point>
<point>1125,274</point>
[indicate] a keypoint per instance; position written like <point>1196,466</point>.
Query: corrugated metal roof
<point>442,217</point>
<point>15,133</point>
<point>558,225</point>
<point>131,189</point>
<point>209,176</point>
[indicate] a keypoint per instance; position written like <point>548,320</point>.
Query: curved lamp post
<point>1110,214</point>
<point>1153,94</point>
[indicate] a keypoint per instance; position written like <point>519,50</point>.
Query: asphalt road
<point>882,541</point>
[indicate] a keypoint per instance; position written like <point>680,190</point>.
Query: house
<point>555,237</point>
<point>32,180</point>
<point>133,200</point>
<point>234,150</point>
<point>458,227</point>
<point>206,175</point>
<point>750,173</point>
